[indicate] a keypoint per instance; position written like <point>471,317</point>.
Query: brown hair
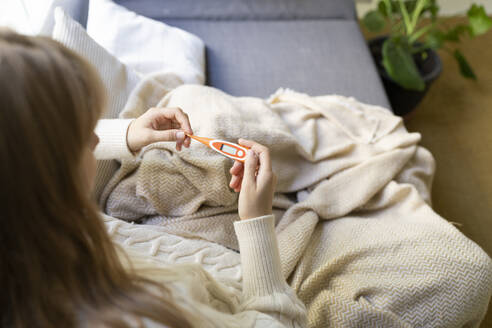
<point>58,266</point>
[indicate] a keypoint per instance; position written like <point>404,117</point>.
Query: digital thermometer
<point>225,148</point>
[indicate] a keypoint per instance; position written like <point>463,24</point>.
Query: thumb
<point>250,168</point>
<point>168,135</point>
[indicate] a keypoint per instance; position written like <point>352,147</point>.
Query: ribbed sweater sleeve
<point>264,287</point>
<point>260,257</point>
<point>112,139</point>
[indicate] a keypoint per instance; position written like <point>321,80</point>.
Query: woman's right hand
<point>159,124</point>
<point>255,180</point>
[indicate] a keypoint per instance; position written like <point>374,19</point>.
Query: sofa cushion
<point>77,9</point>
<point>254,58</point>
<point>144,44</point>
<point>243,9</point>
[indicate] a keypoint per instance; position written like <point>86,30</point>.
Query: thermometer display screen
<point>228,149</point>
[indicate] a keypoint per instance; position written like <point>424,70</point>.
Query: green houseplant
<point>406,58</point>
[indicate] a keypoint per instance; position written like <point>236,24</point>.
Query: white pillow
<point>118,79</point>
<point>145,44</point>
<point>26,16</point>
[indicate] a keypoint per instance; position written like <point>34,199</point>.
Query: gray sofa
<point>256,46</point>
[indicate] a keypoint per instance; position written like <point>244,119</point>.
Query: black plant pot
<point>403,101</point>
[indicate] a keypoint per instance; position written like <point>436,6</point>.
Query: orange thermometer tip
<point>203,140</point>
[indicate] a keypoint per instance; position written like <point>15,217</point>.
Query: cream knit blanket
<point>361,245</point>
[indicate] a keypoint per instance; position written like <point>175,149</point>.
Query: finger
<point>257,147</point>
<point>234,181</point>
<point>179,121</point>
<point>265,167</point>
<point>237,172</point>
<point>167,135</point>
<point>237,168</point>
<point>250,164</point>
<point>176,114</point>
<point>180,136</point>
<point>239,184</point>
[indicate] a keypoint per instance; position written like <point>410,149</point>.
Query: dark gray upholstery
<point>254,58</point>
<point>243,9</point>
<point>77,9</point>
<point>251,53</point>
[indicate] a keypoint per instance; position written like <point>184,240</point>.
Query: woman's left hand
<point>159,124</point>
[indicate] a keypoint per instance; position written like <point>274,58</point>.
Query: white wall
<point>448,7</point>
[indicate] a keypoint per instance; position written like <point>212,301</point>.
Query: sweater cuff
<point>112,139</point>
<point>260,257</point>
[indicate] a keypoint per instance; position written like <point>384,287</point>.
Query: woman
<point>59,267</point>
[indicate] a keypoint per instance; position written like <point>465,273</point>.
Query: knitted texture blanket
<point>358,240</point>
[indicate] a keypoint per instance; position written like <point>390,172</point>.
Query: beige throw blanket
<point>361,245</point>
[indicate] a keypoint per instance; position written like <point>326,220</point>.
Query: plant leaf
<point>435,39</point>
<point>374,21</point>
<point>399,64</point>
<point>456,32</point>
<point>465,68</point>
<point>406,17</point>
<point>411,4</point>
<point>383,10</point>
<point>417,11</point>
<point>433,8</point>
<point>391,5</point>
<point>417,34</point>
<point>479,21</point>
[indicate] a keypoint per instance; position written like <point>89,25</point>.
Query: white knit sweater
<point>266,299</point>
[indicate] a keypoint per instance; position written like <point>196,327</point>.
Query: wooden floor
<point>455,120</point>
